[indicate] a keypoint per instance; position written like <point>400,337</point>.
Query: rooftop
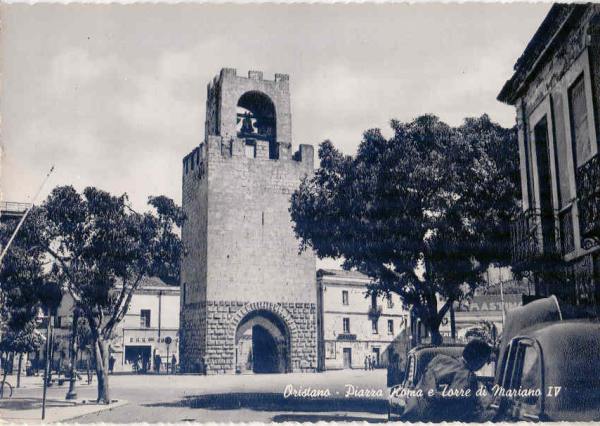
<point>342,274</point>
<point>547,34</point>
<point>151,283</point>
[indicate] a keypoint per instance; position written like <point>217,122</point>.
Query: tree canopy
<point>98,249</point>
<point>422,213</point>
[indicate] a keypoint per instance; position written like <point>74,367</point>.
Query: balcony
<point>525,235</point>
<point>588,191</point>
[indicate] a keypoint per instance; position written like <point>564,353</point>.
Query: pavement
<point>345,395</point>
<point>25,405</point>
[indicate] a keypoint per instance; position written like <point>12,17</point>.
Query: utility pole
<point>14,234</point>
<point>47,367</point>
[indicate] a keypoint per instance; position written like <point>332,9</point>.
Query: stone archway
<point>262,339</point>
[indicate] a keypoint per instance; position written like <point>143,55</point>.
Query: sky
<point>114,95</point>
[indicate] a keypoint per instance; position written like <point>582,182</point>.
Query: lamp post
<point>168,341</point>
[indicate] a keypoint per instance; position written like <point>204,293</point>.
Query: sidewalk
<point>27,410</point>
<point>25,406</point>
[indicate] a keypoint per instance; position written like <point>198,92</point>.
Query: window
<point>375,326</point>
<point>528,372</point>
<point>346,325</point>
<point>184,293</point>
<point>390,303</point>
<point>390,326</point>
<point>579,121</point>
<point>145,318</point>
<point>345,297</point>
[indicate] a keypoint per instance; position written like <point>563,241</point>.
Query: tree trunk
<point>436,336</point>
<point>19,369</point>
<point>87,365</point>
<point>5,372</point>
<point>102,370</point>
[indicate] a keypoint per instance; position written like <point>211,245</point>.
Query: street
<point>224,398</point>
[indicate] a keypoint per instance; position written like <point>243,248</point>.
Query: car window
<point>508,366</point>
<point>529,374</point>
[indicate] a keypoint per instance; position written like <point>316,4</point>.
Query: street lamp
<point>168,341</point>
<point>47,366</point>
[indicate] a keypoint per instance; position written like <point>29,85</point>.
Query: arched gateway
<point>263,338</point>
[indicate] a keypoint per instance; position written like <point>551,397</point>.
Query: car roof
<point>571,359</point>
<point>517,319</point>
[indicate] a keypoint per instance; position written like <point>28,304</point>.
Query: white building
<point>151,321</point>
<point>352,326</point>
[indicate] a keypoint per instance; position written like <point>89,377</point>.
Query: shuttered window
<point>579,122</point>
<point>561,151</point>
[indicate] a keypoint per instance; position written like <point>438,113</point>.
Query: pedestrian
<point>366,362</point>
<point>157,362</point>
<point>138,364</point>
<point>111,364</point>
<point>444,387</point>
<point>202,366</point>
<point>173,364</point>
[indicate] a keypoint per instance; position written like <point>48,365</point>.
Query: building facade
<point>151,322</point>
<point>243,279</point>
<point>556,92</point>
<point>354,326</point>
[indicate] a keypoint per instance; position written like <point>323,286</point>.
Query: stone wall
<point>192,337</point>
<point>223,318</point>
<point>252,251</point>
<point>192,316</point>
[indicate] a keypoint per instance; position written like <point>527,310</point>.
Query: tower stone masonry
<point>248,297</point>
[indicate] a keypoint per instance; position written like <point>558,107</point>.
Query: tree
<point>101,249</point>
<point>20,339</point>
<point>22,276</point>
<point>422,213</point>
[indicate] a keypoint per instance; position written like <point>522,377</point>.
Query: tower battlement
<point>234,149</point>
<point>250,108</point>
<point>230,73</point>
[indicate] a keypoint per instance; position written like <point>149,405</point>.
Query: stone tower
<point>248,298</point>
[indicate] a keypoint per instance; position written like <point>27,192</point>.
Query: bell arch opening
<point>256,120</point>
<point>262,342</point>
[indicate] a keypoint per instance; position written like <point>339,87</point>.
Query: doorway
<point>347,358</point>
<point>262,344</point>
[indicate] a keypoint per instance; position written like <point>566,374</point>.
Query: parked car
<point>560,358</point>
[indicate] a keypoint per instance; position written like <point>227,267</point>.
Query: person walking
<point>366,362</point>
<point>173,364</point>
<point>111,364</point>
<point>157,362</point>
